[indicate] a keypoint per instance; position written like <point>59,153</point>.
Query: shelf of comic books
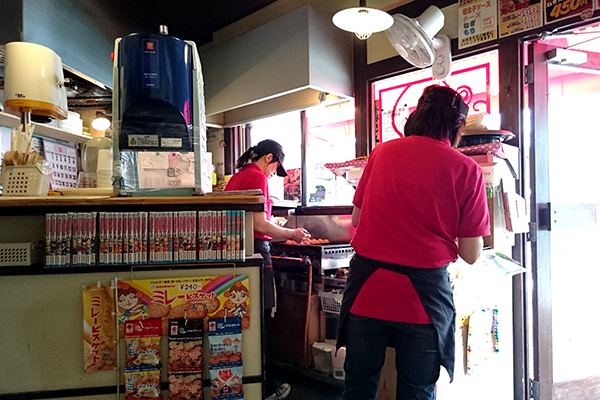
<point>101,235</point>
<point>11,206</point>
<point>113,241</point>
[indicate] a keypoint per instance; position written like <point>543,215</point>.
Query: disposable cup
<point>104,178</point>
<point>104,159</point>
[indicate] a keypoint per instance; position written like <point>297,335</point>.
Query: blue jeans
<point>417,358</point>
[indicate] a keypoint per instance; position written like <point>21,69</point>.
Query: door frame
<point>541,300</point>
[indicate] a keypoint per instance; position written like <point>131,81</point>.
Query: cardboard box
<point>288,341</point>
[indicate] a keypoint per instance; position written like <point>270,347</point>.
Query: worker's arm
<point>355,216</point>
<point>278,233</point>
<point>469,249</point>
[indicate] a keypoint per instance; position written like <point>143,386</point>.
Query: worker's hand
<point>299,234</point>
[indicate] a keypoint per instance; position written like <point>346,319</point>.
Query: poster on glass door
<point>519,15</point>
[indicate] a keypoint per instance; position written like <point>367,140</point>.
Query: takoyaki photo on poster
<point>191,298</point>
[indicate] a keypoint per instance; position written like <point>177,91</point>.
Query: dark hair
<point>440,113</point>
<point>267,146</point>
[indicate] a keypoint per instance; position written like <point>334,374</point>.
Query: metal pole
<point>303,147</point>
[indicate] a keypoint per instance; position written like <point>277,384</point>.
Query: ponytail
<point>246,158</point>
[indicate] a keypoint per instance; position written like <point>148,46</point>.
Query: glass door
<point>564,104</point>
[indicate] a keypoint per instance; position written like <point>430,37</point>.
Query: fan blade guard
<point>410,41</point>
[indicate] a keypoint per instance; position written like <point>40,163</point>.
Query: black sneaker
<point>281,392</point>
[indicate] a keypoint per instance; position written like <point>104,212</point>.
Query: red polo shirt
<point>252,177</point>
<point>417,195</point>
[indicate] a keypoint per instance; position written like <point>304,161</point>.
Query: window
<point>475,78</point>
<point>286,130</point>
<point>330,139</point>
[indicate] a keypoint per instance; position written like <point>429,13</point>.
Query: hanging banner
<point>562,9</point>
<point>477,22</point>
<point>518,16</point>
<point>192,298</point>
<point>99,323</point>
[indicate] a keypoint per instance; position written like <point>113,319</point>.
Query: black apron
<point>263,246</point>
<point>432,286</point>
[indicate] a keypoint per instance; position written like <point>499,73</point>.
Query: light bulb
<point>100,123</point>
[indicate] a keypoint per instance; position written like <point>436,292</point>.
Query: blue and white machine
<point>159,119</point>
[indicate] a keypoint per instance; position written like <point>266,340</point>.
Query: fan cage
<point>411,42</point>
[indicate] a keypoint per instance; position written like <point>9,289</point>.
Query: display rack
<point>11,121</point>
<point>42,311</point>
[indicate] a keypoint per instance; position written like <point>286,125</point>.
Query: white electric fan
<point>415,41</point>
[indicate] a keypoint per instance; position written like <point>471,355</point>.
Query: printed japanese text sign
<point>519,15</point>
<point>192,298</point>
<point>477,22</point>
<point>99,344</point>
<point>562,9</point>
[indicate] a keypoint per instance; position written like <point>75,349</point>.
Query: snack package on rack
<point>186,338</point>
<point>225,364</point>
<point>99,335</point>
<point>142,344</point>
<point>142,385</point>
<point>185,386</point>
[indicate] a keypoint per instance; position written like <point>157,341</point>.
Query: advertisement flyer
<point>477,22</point>
<point>562,9</point>
<point>519,15</point>
<point>99,342</point>
<point>191,298</point>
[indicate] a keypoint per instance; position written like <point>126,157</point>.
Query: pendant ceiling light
<point>362,21</point>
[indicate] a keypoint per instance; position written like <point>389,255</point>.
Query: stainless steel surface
<point>325,259</point>
<point>336,228</point>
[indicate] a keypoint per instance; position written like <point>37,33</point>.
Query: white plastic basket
<point>20,254</point>
<point>24,180</point>
<point>331,302</point>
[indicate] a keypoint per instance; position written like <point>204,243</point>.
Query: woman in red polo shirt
<point>419,205</point>
<point>255,166</point>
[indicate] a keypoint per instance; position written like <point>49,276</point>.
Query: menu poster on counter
<point>557,10</point>
<point>191,298</point>
<point>519,15</point>
<point>477,22</point>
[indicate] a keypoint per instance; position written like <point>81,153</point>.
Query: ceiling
<point>194,20</point>
<point>197,20</point>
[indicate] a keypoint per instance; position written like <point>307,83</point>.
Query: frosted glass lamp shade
<point>362,21</point>
<point>101,123</point>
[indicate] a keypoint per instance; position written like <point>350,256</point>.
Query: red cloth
<point>390,296</point>
<point>252,177</point>
<point>416,195</point>
<point>340,169</point>
<point>494,148</point>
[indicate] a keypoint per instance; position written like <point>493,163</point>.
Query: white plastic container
<point>20,254</point>
<point>338,363</point>
<point>25,180</point>
<point>73,123</point>
<point>323,356</point>
<point>34,80</point>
